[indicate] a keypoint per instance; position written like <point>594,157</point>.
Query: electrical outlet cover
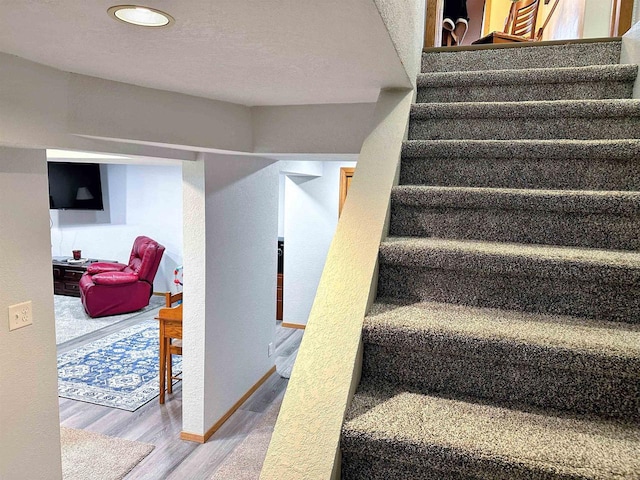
<point>20,315</point>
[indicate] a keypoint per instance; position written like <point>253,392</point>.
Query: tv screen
<point>74,186</point>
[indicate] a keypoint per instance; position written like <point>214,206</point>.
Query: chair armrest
<point>114,278</point>
<point>101,267</point>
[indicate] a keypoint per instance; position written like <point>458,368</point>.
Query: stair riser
<point>588,297</point>
<point>439,463</point>
<point>512,93</point>
<point>550,228</point>
<point>533,173</point>
<point>503,373</point>
<point>364,467</point>
<point>504,128</point>
<point>557,56</point>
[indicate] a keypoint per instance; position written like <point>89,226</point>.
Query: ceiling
<point>251,52</point>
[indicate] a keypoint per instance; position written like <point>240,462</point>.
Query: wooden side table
<point>67,275</point>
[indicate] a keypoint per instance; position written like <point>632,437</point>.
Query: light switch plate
<point>271,349</point>
<point>20,315</point>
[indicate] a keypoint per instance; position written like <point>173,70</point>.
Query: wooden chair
<point>170,319</point>
<point>520,25</point>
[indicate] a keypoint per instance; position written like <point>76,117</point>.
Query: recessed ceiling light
<point>143,16</point>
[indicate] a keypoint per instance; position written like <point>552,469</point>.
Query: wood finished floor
<point>160,425</point>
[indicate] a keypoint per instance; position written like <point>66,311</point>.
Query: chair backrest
<point>522,18</point>
<point>145,258</point>
<point>171,298</point>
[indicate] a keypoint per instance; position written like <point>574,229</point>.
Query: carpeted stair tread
<point>586,282</point>
<point>531,56</point>
<point>597,219</point>
<point>568,119</point>
<point>592,82</point>
<point>484,441</point>
<point>393,322</point>
<point>513,258</point>
<point>567,201</point>
<point>550,361</point>
<point>556,149</point>
<point>531,164</point>
<point>591,73</point>
<point>411,325</point>
<point>611,108</point>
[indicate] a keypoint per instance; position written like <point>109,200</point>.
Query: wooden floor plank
<point>272,388</point>
<point>160,425</point>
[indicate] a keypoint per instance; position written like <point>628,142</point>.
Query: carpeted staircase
<point>505,339</point>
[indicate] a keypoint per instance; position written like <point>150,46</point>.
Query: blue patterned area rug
<point>72,321</point>
<point>120,370</point>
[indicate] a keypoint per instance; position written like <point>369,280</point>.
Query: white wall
<point>228,328</point>
<point>29,422</point>
<point>597,18</point>
<point>310,219</point>
<point>281,185</point>
<point>138,200</point>
<point>195,297</point>
<point>631,52</point>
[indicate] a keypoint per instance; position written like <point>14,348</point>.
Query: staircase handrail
<point>544,25</point>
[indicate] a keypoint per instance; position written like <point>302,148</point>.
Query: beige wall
<point>566,22</point>
<point>496,12</point>
<point>29,422</point>
<point>306,128</point>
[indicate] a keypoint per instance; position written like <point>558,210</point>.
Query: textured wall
<point>44,107</point>
<point>29,422</point>
<point>195,294</point>
<point>631,52</point>
<point>104,108</point>
<point>311,128</point>
<point>306,438</point>
<point>311,215</point>
<point>404,20</point>
<point>35,110</point>
<point>242,229</point>
<point>230,233</point>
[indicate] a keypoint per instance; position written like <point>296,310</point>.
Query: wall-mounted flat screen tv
<point>75,186</point>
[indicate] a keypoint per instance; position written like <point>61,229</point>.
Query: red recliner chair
<point>114,288</point>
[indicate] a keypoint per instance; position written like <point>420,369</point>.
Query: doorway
<point>571,19</point>
<point>475,9</point>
